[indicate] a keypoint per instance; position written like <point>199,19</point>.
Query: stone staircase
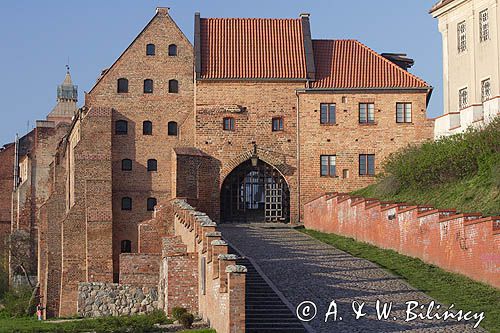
<point>265,311</point>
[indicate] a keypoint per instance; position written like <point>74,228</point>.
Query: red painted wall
<point>467,244</point>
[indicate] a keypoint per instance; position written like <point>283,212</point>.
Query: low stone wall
<point>97,299</point>
<point>468,244</point>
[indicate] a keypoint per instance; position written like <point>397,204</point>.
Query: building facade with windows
<point>471,63</point>
<point>248,124</point>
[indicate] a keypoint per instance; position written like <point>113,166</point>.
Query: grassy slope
<point>435,282</point>
<point>475,194</point>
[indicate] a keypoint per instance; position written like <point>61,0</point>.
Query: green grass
<point>446,288</point>
<point>475,194</point>
<point>138,323</point>
<point>461,171</point>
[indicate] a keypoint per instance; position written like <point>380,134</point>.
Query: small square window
<point>228,124</point>
<point>127,165</point>
<point>277,124</point>
<point>151,203</point>
<point>126,203</point>
<point>152,165</point>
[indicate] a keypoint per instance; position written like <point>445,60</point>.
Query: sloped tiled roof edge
<point>350,64</point>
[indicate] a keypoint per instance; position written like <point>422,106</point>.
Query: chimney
<point>399,59</point>
<point>162,10</point>
<point>302,15</point>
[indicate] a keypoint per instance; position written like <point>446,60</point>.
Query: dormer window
<point>150,49</point>
<point>172,50</point>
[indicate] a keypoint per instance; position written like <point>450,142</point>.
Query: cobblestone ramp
<point>304,269</point>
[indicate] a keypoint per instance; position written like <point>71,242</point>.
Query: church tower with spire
<point>67,96</point>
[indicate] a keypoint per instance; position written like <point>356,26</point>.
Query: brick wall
<point>87,224</point>
<point>6,185</point>
<point>197,273</point>
<point>467,244</point>
<point>252,105</point>
<point>347,138</point>
<point>160,107</point>
<point>139,269</point>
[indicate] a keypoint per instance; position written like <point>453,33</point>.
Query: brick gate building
<point>249,123</point>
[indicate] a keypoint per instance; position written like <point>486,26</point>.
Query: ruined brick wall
<point>196,180</point>
<point>252,105</point>
<point>347,138</point>
<point>6,186</point>
<point>87,225</point>
<point>139,269</point>
<point>159,107</point>
<point>196,272</point>
<point>52,214</point>
<point>467,244</point>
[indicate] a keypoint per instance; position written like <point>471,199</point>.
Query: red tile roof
<point>233,48</point>
<point>350,64</point>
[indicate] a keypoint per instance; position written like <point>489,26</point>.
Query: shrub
<point>450,158</point>
<point>16,301</point>
<point>177,312</point>
<point>186,320</point>
<point>158,317</point>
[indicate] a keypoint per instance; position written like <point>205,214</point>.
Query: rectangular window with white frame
<point>366,113</point>
<point>484,26</point>
<point>463,98</point>
<point>485,90</point>
<point>461,37</point>
<point>403,112</point>
<point>328,165</point>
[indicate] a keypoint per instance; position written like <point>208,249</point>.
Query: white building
<point>471,63</point>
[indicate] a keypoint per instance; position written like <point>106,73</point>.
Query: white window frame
<point>485,91</point>
<point>462,37</point>
<point>484,25</point>
<point>463,102</point>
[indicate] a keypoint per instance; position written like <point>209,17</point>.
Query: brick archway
<point>265,156</point>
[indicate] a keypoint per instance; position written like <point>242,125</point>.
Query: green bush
<point>16,302</point>
<point>186,319</point>
<point>177,312</point>
<point>450,158</point>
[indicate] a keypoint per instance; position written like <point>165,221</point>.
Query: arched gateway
<point>255,192</point>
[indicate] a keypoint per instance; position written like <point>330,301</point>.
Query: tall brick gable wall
<point>160,107</point>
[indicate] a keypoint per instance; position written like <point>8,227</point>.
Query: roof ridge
<point>252,18</point>
<point>391,63</point>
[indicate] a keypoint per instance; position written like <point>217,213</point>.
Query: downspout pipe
<point>298,154</point>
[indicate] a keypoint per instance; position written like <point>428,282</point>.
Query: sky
<point>38,38</point>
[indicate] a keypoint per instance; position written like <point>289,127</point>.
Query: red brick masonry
<point>467,244</point>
